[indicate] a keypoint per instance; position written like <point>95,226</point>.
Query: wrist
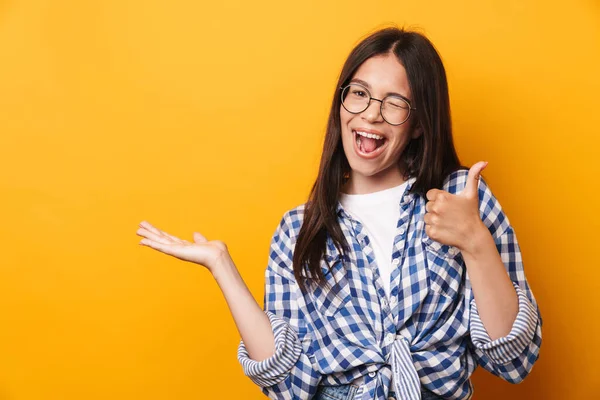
<point>223,268</point>
<point>477,241</point>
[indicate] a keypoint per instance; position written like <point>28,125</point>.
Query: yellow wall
<point>210,117</point>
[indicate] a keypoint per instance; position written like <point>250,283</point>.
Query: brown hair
<point>429,158</point>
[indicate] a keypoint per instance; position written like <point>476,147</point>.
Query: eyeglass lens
<point>355,98</point>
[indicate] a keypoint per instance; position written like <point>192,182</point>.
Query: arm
<point>505,324</point>
<point>251,322</point>
<point>495,296</point>
<point>290,372</point>
<point>275,342</point>
<point>511,350</point>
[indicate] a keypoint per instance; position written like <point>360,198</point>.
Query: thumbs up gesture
<point>454,219</point>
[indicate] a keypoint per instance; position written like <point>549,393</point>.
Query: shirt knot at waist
<point>399,364</point>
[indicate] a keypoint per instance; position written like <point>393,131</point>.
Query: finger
<point>152,236</point>
<point>149,227</point>
<point>432,194</point>
<point>163,248</point>
<point>430,231</point>
<point>199,238</point>
<point>429,207</point>
<point>427,219</point>
<point>473,178</point>
<point>431,219</point>
<point>174,238</point>
<point>157,231</point>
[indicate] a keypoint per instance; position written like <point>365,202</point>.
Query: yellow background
<point>210,116</point>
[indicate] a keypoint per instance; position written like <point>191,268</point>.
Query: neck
<point>362,184</point>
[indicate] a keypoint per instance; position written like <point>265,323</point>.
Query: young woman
<point>401,273</point>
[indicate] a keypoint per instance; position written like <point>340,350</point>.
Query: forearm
<point>251,321</point>
<point>495,296</point>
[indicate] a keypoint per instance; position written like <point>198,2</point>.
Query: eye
<point>397,103</point>
<point>358,93</point>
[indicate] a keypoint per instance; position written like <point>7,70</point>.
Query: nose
<point>373,112</point>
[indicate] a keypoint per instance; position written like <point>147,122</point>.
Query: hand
<point>454,219</point>
<point>201,251</point>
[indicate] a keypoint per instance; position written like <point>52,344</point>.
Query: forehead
<point>384,74</point>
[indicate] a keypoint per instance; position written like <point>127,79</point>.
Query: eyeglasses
<point>356,98</point>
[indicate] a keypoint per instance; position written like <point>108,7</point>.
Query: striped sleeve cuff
<point>276,368</point>
<point>505,349</point>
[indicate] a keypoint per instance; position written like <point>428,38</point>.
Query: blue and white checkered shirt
<point>428,334</point>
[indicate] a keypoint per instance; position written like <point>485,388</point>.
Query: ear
<point>416,131</point>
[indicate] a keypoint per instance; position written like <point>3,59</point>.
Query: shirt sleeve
<point>290,372</point>
<point>510,357</point>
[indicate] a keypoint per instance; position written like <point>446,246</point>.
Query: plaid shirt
<point>428,334</point>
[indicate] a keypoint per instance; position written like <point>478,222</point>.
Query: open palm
<point>200,251</point>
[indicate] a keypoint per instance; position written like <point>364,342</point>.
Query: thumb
<point>473,179</point>
<point>199,238</point>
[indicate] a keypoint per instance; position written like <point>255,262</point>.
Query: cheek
<point>345,117</point>
<point>403,137</point>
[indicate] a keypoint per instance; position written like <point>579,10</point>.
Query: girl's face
<point>374,161</point>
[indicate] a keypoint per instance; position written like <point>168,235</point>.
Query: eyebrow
<point>366,84</point>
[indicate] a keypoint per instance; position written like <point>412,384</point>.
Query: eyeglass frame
<point>410,107</point>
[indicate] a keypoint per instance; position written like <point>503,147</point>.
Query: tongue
<point>368,144</point>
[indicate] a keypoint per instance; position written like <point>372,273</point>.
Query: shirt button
<point>401,231</point>
<point>389,338</point>
<point>452,251</point>
<point>396,261</point>
<point>393,301</point>
<point>372,374</point>
<point>384,302</point>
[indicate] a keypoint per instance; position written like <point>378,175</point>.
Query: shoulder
<point>456,181</point>
<point>291,221</point>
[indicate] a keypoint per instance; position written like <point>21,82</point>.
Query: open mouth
<point>367,144</point>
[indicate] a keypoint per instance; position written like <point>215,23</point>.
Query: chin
<point>364,170</point>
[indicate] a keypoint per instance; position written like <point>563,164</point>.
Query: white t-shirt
<point>378,213</point>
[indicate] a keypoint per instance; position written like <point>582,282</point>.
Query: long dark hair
<point>430,157</point>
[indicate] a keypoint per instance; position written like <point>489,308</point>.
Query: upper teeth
<point>369,135</point>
